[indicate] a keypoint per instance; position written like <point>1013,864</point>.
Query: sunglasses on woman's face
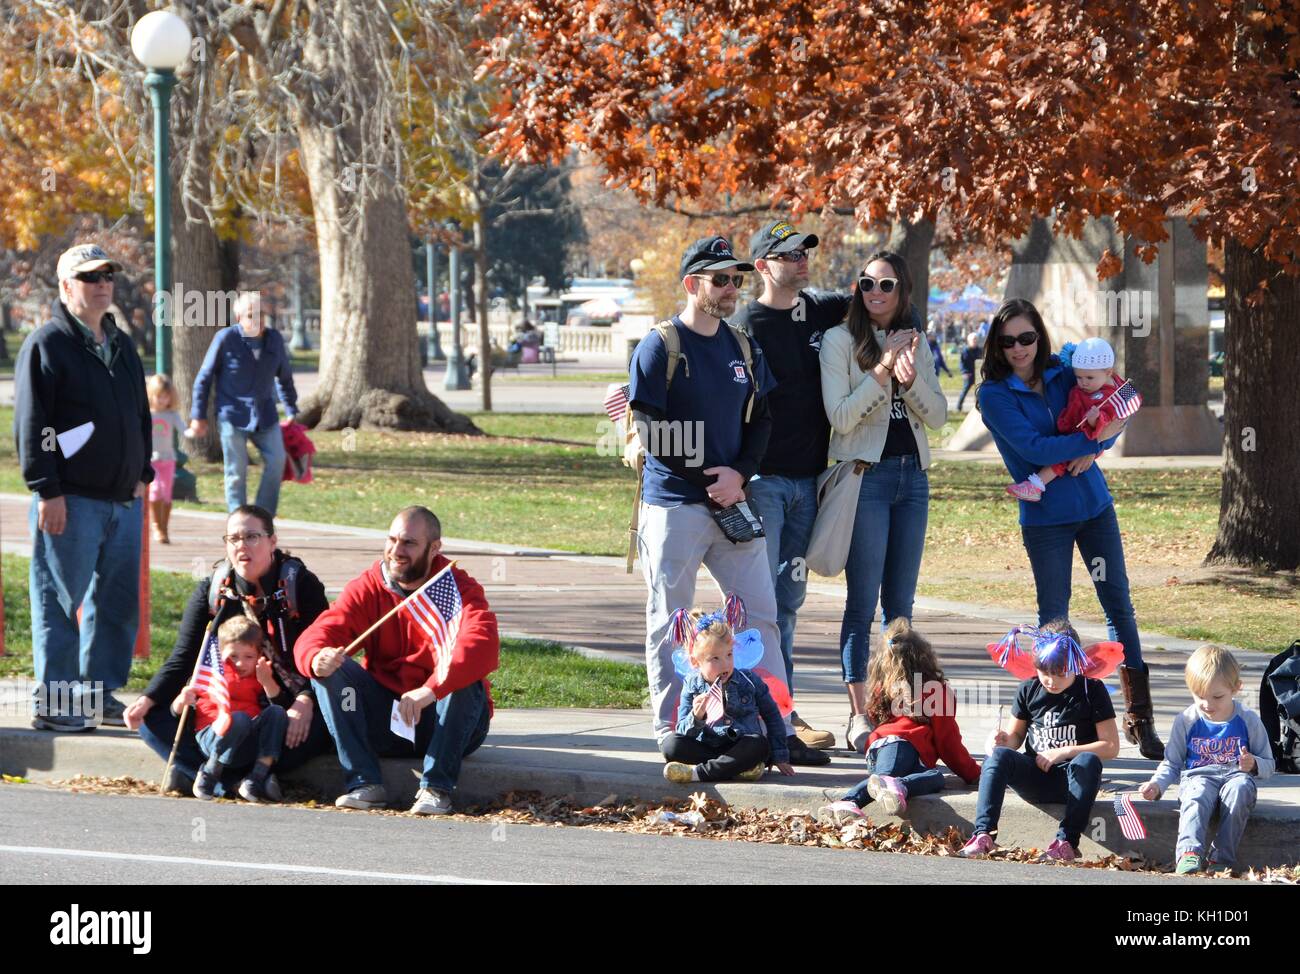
<point>722,280</point>
<point>94,277</point>
<point>868,284</point>
<point>1024,338</point>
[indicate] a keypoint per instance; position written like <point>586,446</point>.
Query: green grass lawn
<point>532,673</point>
<point>538,480</point>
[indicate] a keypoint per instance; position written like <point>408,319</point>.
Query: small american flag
<point>210,680</point>
<point>1129,823</point>
<point>715,709</point>
<point>1125,400</point>
<point>616,402</point>
<point>436,609</point>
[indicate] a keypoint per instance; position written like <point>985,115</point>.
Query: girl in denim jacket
<point>724,707</point>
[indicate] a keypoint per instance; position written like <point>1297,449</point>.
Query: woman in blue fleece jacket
<point>1024,389</point>
<point>249,365</point>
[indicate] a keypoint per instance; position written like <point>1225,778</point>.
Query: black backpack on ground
<point>1279,707</point>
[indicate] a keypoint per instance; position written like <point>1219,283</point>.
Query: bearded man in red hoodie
<point>446,697</point>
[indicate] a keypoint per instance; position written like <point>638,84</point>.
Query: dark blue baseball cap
<point>711,254</point>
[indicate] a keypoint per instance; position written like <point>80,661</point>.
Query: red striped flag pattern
<point>436,609</point>
<point>616,402</point>
<point>210,680</point>
<point>1129,823</point>
<point>1125,400</point>
<point>716,707</point>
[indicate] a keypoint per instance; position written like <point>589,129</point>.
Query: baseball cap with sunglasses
<point>868,284</point>
<point>1024,338</point>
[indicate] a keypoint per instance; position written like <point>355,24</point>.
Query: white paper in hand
<point>399,726</point>
<point>71,441</point>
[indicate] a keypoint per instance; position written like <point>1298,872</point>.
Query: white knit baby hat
<point>1093,353</point>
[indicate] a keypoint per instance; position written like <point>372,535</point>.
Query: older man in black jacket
<point>82,425</point>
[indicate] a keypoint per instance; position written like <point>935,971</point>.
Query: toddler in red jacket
<point>1088,409</point>
<point>235,725</point>
<point>914,713</point>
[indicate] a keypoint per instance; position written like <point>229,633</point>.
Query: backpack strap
<point>747,353</point>
<point>291,570</point>
<point>667,332</point>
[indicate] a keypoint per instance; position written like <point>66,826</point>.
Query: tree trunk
<point>1259,506</point>
<point>481,308</point>
<point>369,359</point>
<point>912,241</point>
<point>197,266</point>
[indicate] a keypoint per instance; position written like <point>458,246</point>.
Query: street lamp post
<point>456,378</point>
<point>161,42</point>
<point>431,279</point>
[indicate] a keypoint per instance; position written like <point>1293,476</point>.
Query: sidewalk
<point>594,753</point>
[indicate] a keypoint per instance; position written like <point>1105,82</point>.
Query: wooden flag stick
<point>185,710</point>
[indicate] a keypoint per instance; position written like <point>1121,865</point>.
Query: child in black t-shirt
<point>1067,723</point>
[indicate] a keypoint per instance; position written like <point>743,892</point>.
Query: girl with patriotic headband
<point>1063,716</point>
<point>726,704</point>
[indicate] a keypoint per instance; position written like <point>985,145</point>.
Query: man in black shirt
<point>787,322</point>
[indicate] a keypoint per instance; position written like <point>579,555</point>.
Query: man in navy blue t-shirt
<point>700,452</point>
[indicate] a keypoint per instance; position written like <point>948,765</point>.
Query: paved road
<point>89,839</point>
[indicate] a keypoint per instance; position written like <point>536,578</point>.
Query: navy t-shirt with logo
<point>791,340</point>
<point>704,409</point>
<point>1065,719</point>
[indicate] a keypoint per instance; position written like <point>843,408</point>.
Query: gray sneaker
<point>364,798</point>
<point>67,725</point>
<point>431,802</point>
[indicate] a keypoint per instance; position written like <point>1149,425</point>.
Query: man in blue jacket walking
<point>250,365</point>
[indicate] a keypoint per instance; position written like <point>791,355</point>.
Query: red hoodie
<point>397,654</point>
<point>938,740</point>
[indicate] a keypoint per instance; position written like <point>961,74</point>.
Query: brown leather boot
<point>156,508</point>
<point>1139,718</point>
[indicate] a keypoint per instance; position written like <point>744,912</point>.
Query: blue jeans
<point>159,731</point>
<point>95,564</point>
<point>967,380</point>
<point>884,556</point>
<point>234,454</point>
<point>788,507</point>
<point>1051,556</point>
<point>247,740</point>
<point>1075,784</point>
<point>448,731</point>
<point>898,759</point>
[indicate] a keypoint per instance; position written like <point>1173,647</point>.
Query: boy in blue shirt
<point>1216,749</point>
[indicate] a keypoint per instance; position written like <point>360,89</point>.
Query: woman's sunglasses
<point>722,280</point>
<point>1024,338</point>
<point>94,277</point>
<point>868,284</point>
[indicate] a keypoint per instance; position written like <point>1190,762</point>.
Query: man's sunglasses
<point>868,284</point>
<point>1024,338</point>
<point>791,256</point>
<point>94,277</point>
<point>722,280</point>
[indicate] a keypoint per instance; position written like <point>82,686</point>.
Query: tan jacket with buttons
<point>858,407</point>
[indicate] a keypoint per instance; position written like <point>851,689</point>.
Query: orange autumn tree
<point>987,113</point>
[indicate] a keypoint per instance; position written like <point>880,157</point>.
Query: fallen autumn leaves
<point>713,821</point>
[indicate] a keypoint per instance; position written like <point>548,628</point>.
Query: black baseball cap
<point>779,237</point>
<point>711,254</point>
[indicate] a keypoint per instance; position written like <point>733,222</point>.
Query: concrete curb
<point>1271,839</point>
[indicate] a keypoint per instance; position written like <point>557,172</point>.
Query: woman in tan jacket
<point>880,391</point>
